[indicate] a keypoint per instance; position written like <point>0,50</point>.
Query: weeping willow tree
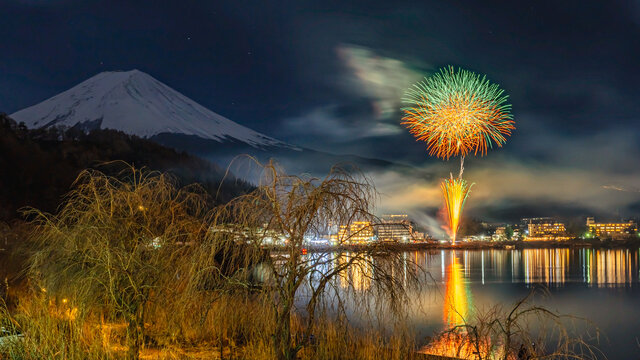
<point>115,243</point>
<point>295,287</point>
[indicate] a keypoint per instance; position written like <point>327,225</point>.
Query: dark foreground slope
<point>37,167</point>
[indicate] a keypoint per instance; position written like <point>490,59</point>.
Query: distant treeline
<point>37,167</point>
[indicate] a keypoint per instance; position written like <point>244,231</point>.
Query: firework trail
<point>455,191</point>
<point>457,113</point>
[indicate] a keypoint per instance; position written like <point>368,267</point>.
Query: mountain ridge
<point>137,104</point>
<point>40,165</point>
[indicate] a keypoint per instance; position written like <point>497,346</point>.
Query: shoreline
<point>502,245</point>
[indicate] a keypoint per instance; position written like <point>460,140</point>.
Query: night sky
<point>329,75</point>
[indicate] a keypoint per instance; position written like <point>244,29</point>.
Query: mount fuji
<point>137,104</point>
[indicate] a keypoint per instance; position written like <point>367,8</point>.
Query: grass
<point>233,328</point>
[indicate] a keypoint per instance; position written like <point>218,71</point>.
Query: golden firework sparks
<point>457,113</point>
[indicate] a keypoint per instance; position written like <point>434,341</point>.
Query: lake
<point>601,285</point>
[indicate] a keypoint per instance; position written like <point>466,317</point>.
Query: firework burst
<point>455,191</point>
<point>457,113</point>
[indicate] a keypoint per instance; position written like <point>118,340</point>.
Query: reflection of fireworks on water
<point>457,342</point>
<point>457,113</point>
<point>455,193</point>
<point>459,346</point>
<point>457,301</point>
<point>456,312</point>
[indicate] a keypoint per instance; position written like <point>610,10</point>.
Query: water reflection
<point>551,267</point>
<point>358,276</point>
<point>600,267</point>
<point>583,282</point>
<point>547,266</point>
<point>457,299</point>
<point>456,271</point>
<point>610,267</point>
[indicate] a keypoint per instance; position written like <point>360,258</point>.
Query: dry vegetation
<point>132,266</point>
<point>523,332</point>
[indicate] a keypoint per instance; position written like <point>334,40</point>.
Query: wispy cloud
<point>372,85</point>
<point>382,79</point>
<point>332,123</point>
<point>620,188</point>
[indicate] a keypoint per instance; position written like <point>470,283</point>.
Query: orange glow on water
<point>456,299</point>
<point>457,302</point>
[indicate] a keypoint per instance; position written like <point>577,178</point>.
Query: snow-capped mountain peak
<point>137,104</point>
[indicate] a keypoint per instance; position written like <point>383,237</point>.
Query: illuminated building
<point>545,229</point>
<point>506,233</point>
<point>500,234</point>
<point>396,228</point>
<point>516,234</point>
<point>420,236</point>
<point>612,230</point>
<point>358,232</point>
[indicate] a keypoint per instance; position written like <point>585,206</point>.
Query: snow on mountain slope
<point>138,104</point>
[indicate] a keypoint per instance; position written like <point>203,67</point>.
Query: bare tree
<point>298,285</point>
<point>115,243</point>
